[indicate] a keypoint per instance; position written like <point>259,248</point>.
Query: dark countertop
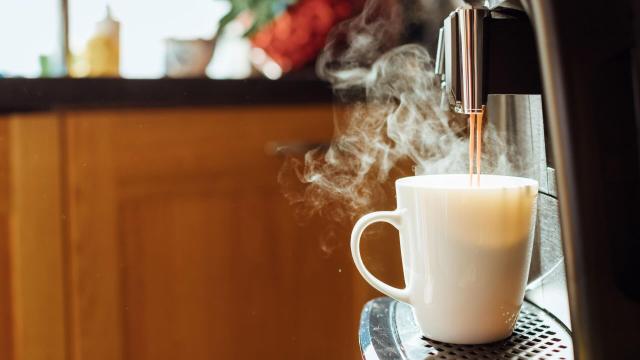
<point>43,94</point>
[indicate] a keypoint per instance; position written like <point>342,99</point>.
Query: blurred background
<point>141,211</point>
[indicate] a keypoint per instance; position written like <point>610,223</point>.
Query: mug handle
<point>391,217</point>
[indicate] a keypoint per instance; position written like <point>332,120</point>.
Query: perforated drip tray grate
<point>388,331</point>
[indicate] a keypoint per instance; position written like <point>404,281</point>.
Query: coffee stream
<point>475,144</point>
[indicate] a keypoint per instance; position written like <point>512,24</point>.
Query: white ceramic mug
<point>465,253</point>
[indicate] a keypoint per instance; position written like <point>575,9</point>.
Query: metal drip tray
<point>388,331</point>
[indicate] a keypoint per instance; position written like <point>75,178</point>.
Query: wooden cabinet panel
<point>6,336</point>
<point>180,275</point>
<point>36,238</point>
<point>181,245</point>
<point>94,264</point>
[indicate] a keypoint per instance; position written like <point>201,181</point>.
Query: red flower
<point>296,37</point>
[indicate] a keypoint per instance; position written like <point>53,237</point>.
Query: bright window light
<point>28,29</point>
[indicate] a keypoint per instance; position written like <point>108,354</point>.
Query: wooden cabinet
<point>163,234</point>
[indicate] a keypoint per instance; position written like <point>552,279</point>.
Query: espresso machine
<point>560,81</point>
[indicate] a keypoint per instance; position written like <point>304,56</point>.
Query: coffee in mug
<point>465,253</point>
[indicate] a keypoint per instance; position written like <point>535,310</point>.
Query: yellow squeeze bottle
<point>102,53</point>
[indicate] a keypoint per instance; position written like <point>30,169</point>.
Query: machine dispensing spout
<point>484,51</point>
<point>460,59</point>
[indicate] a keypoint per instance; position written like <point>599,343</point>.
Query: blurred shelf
<point>18,95</point>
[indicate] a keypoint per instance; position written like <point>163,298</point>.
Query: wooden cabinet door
<point>181,245</point>
<point>163,234</point>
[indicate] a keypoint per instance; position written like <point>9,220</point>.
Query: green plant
<point>262,11</point>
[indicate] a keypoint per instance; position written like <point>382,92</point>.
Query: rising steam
<point>397,119</point>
